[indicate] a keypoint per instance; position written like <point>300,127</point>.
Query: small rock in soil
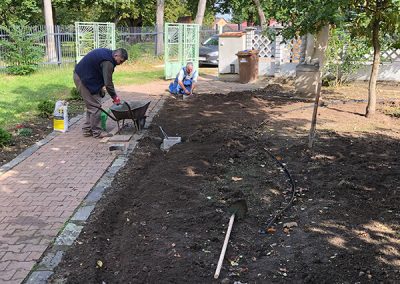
<point>290,225</point>
<point>225,281</point>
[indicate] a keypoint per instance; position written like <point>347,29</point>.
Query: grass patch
<point>20,95</point>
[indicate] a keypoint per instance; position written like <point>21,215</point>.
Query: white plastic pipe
<point>222,255</point>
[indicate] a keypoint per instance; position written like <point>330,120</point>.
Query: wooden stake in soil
<point>314,117</point>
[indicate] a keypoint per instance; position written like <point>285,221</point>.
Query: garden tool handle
<point>221,257</point>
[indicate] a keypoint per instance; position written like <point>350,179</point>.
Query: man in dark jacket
<point>91,74</point>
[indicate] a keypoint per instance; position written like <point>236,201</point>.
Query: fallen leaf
<point>271,230</point>
<point>99,263</point>
<point>236,178</point>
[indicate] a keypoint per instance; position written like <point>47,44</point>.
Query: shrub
<point>344,56</point>
<point>22,53</point>
<point>5,137</point>
<point>74,94</point>
<point>46,108</point>
<point>26,132</point>
<point>140,50</point>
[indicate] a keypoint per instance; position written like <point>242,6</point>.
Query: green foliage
<point>12,11</point>
<point>344,56</point>
<point>46,108</point>
<point>241,11</point>
<point>302,17</point>
<point>74,94</point>
<point>26,132</point>
<point>22,52</point>
<point>5,137</point>
<point>362,16</point>
<point>140,50</point>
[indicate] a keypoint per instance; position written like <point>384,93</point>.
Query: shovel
<point>238,208</point>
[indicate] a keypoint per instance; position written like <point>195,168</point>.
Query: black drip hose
<point>280,213</point>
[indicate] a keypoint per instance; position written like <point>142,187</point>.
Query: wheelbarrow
<point>136,111</point>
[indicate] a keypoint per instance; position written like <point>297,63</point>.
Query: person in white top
<point>185,81</point>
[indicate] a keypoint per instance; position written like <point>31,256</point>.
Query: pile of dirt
<point>164,218</point>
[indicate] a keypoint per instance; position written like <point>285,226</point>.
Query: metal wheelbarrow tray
<point>136,111</point>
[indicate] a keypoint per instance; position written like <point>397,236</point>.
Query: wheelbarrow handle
<point>109,115</point>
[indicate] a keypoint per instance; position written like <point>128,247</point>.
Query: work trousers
<point>93,114</point>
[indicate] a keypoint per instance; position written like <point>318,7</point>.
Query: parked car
<point>208,52</point>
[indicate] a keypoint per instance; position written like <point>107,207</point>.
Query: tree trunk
<point>201,9</point>
<point>375,69</point>
<point>261,15</point>
<point>311,135</point>
<point>160,27</point>
<point>50,44</point>
<point>318,56</point>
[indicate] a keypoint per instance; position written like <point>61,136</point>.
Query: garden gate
<point>181,46</point>
<point>91,35</point>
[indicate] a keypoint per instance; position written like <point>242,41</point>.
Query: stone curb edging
<point>28,152</point>
<point>55,252</point>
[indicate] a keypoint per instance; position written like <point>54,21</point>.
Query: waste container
<point>248,65</point>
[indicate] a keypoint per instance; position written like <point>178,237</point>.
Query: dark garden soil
<point>28,133</point>
<point>164,218</point>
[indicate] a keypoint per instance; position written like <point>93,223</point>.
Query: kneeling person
<point>185,81</point>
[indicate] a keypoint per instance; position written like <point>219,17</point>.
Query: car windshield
<point>211,41</point>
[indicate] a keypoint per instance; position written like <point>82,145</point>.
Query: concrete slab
<point>120,138</point>
<point>69,235</point>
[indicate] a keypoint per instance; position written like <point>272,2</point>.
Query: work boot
<point>103,134</point>
<point>87,133</point>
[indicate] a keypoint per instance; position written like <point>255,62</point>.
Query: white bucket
<point>169,142</point>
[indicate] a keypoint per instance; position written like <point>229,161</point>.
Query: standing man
<point>91,74</point>
<point>185,81</point>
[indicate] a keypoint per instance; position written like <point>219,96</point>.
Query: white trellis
<point>275,56</point>
<point>91,35</point>
<point>263,45</point>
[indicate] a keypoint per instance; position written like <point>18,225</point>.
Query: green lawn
<point>19,95</point>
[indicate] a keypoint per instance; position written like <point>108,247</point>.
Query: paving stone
<point>83,213</point>
<point>69,235</point>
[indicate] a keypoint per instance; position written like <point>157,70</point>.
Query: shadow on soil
<point>164,219</point>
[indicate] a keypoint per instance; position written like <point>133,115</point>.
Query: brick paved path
<point>41,193</point>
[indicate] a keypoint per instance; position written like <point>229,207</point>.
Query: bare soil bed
<point>164,218</point>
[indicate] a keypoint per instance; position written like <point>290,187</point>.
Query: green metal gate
<point>181,46</point>
<point>91,35</point>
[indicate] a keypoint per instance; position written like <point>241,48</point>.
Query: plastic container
<point>248,66</point>
<point>104,117</point>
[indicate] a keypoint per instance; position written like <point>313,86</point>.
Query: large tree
<point>50,42</point>
<point>201,9</point>
<point>160,26</point>
<point>261,15</point>
<point>13,11</point>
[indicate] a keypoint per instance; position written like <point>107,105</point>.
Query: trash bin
<point>248,65</point>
